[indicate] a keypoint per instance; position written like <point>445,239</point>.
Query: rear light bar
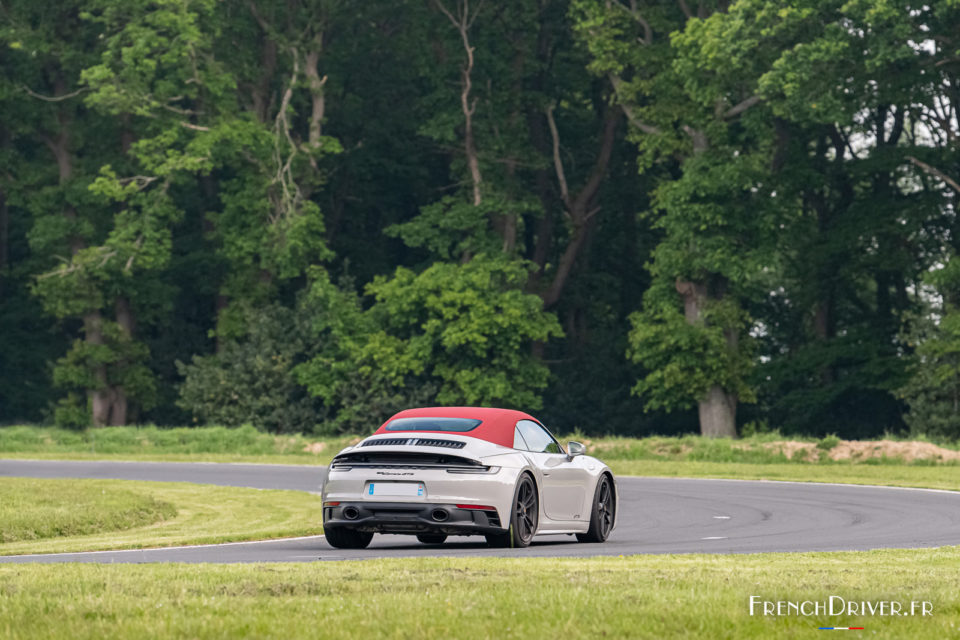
<point>477,507</point>
<point>331,504</point>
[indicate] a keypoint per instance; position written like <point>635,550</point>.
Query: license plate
<point>408,489</point>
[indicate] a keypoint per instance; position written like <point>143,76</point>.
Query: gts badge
<point>394,473</point>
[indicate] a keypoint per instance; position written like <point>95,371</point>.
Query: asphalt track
<point>657,515</point>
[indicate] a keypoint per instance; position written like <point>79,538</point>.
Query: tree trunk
<point>580,206</point>
<point>317,97</point>
<point>718,408</point>
<point>565,264</point>
<point>99,398</point>
<point>261,94</point>
<point>126,321</point>
<point>718,414</point>
<point>823,328</point>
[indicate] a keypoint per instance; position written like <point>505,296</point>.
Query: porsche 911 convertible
<point>463,471</point>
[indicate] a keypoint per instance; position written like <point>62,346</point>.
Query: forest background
<point>628,216</point>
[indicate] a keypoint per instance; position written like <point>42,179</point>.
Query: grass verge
<point>202,441</point>
<point>693,596</point>
<point>37,509</point>
<point>760,457</point>
<point>220,443</point>
<point>171,457</point>
<point>204,515</point>
<point>930,477</point>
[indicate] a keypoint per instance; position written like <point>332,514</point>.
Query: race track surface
<point>657,515</point>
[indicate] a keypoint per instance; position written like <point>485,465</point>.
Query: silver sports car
<point>444,471</point>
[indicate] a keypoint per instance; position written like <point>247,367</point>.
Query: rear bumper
<point>411,518</point>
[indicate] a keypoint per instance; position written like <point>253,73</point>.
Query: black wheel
<point>431,538</point>
<point>523,518</point>
<point>347,538</point>
<point>603,512</point>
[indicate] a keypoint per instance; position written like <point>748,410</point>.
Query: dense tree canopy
<point>634,216</point>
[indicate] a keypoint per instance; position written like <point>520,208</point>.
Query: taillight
<point>331,504</point>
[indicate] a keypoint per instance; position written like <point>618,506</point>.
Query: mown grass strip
<point>930,477</point>
<point>244,441</point>
<point>226,458</point>
<point>36,509</point>
<point>205,514</point>
<point>694,596</point>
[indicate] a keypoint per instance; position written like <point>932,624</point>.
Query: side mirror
<point>575,449</point>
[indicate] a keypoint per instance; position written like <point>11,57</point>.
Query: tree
<point>846,90</point>
<point>692,333</point>
<point>932,391</point>
<point>461,329</point>
<point>72,227</point>
<point>250,380</point>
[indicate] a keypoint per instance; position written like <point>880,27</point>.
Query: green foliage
<point>168,168</point>
<point>828,442</point>
<point>932,393</point>
<point>250,380</point>
<point>460,332</point>
<point>715,215</point>
<point>449,228</point>
<point>685,359</point>
<point>123,361</point>
<point>467,326</point>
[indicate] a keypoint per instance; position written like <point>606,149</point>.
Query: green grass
<point>203,514</point>
<point>756,449</point>
<point>319,460</point>
<point>147,441</point>
<point>930,477</point>
<point>36,509</point>
<point>755,457</point>
<point>222,444</point>
<point>692,596</point>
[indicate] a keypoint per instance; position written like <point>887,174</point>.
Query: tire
<point>524,517</point>
<point>431,538</point>
<point>342,538</point>
<point>603,514</point>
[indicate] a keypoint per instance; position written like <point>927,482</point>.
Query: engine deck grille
<point>418,442</point>
<point>386,442</point>
<point>434,442</point>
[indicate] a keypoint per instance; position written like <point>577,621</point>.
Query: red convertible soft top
<point>496,425</point>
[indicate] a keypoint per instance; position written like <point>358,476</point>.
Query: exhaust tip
<point>351,513</point>
<point>440,515</point>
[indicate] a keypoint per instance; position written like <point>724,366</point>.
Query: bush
<point>250,380</point>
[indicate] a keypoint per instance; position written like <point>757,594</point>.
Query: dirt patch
<point>315,447</point>
<point>858,450</point>
<point>793,450</point>
<point>669,449</point>
<point>906,451</point>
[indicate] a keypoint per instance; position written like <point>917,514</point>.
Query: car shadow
<point>465,545</point>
